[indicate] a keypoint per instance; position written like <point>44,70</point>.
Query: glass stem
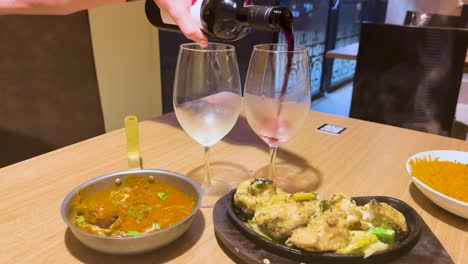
<point>207,180</point>
<point>272,162</point>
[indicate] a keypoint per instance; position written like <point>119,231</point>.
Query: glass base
<point>231,173</point>
<point>212,193</point>
<point>293,177</point>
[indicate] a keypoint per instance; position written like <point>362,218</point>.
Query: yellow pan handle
<point>133,144</point>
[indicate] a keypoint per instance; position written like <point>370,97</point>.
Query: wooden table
<point>348,52</point>
<point>367,159</point>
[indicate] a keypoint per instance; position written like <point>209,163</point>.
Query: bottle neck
<point>268,17</point>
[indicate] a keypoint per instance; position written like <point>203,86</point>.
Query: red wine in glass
<point>288,32</point>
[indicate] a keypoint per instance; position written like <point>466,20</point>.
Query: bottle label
<point>194,13</point>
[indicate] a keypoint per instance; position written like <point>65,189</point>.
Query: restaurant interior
<point>90,87</point>
<point>89,101</point>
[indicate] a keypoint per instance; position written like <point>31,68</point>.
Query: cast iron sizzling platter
<point>413,221</point>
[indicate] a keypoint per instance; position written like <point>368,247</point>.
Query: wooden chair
<point>49,94</point>
<point>419,19</point>
<point>460,126</point>
<point>409,76</point>
<point>464,12</point>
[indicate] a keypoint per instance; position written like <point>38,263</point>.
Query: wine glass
<point>277,96</point>
<point>207,101</point>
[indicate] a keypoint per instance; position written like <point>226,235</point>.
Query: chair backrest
<point>419,19</point>
<point>49,94</point>
<point>464,12</point>
<point>409,76</point>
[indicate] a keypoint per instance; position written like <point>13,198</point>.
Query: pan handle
<point>133,143</point>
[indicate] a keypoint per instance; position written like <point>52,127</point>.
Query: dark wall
<point>49,96</point>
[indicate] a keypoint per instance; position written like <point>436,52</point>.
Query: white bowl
<point>448,203</point>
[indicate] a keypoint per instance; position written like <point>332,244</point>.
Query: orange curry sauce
<point>135,207</point>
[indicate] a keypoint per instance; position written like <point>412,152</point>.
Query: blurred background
<point>64,79</point>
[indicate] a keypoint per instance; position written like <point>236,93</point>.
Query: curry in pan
<point>131,207</point>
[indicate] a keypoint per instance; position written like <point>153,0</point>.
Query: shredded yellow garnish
<point>449,178</point>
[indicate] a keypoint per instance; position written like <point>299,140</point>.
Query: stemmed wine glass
<point>277,95</point>
<point>207,101</point>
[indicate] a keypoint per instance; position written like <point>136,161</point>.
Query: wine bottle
<point>225,19</point>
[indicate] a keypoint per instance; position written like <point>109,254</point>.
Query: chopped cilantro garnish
<point>139,216</point>
<point>133,233</point>
<point>148,208</point>
<point>80,219</point>
<point>131,212</point>
<point>162,196</point>
<point>156,226</point>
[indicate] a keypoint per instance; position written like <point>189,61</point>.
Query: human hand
<point>179,10</point>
